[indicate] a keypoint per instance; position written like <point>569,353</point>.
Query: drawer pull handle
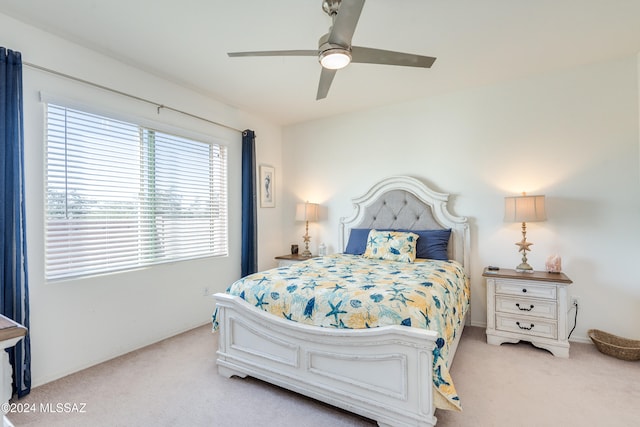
<point>524,327</point>
<point>524,308</point>
<point>524,290</point>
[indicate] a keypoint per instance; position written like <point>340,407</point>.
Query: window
<point>121,196</point>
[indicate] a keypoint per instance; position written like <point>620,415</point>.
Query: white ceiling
<point>477,42</point>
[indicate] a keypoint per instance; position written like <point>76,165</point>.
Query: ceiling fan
<point>335,50</point>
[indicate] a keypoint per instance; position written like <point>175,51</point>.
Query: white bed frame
<point>381,373</point>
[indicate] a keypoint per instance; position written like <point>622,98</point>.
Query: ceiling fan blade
<point>326,77</point>
<point>345,23</point>
<point>388,57</point>
<point>275,53</point>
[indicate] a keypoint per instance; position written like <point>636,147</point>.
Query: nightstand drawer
<point>527,326</point>
<point>526,306</point>
<point>522,288</point>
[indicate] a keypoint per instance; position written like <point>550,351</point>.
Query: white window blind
<point>121,196</point>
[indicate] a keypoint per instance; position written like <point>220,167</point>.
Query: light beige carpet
<point>175,383</point>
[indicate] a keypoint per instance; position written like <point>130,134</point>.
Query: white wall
<point>77,323</point>
<point>571,135</point>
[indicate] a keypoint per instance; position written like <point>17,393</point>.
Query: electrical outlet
<point>205,291</point>
<point>575,301</point>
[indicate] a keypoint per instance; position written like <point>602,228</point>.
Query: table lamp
<point>524,209</point>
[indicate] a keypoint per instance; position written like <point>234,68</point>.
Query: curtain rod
<point>137,98</point>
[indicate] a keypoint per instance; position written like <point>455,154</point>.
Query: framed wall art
<point>267,187</point>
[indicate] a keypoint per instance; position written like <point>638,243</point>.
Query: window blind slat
<point>120,196</point>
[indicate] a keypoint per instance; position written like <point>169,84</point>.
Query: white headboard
<point>403,202</point>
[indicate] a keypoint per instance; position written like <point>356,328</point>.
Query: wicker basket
<point>612,345</point>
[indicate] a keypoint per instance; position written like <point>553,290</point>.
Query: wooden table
<point>10,330</point>
<point>292,259</point>
<point>10,333</point>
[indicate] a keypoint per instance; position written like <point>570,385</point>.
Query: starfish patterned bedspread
<point>350,291</point>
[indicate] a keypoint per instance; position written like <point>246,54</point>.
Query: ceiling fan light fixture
<point>335,58</point>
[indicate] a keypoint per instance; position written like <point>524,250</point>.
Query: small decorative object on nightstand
<point>322,249</point>
<point>529,307</point>
<point>284,260</point>
<point>553,264</point>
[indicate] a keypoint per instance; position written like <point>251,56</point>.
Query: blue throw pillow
<point>433,244</point>
<point>357,241</point>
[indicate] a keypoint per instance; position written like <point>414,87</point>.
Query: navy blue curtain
<point>249,263</point>
<point>14,294</point>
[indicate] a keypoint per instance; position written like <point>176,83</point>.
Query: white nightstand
<point>284,260</point>
<point>529,307</point>
<point>10,333</point>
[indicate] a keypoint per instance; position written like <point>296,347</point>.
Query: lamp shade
<point>307,212</point>
<point>524,209</point>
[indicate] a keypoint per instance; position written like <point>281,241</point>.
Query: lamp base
<point>306,253</point>
<point>524,267</point>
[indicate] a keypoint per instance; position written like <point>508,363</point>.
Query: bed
<point>379,370</point>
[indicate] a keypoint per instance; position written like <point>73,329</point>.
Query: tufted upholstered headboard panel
<point>399,209</point>
<point>402,202</point>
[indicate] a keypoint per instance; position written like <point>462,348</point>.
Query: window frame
<point>151,126</point>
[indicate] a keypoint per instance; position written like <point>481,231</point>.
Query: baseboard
<point>579,339</point>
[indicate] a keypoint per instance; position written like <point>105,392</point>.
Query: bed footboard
<point>382,373</point>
